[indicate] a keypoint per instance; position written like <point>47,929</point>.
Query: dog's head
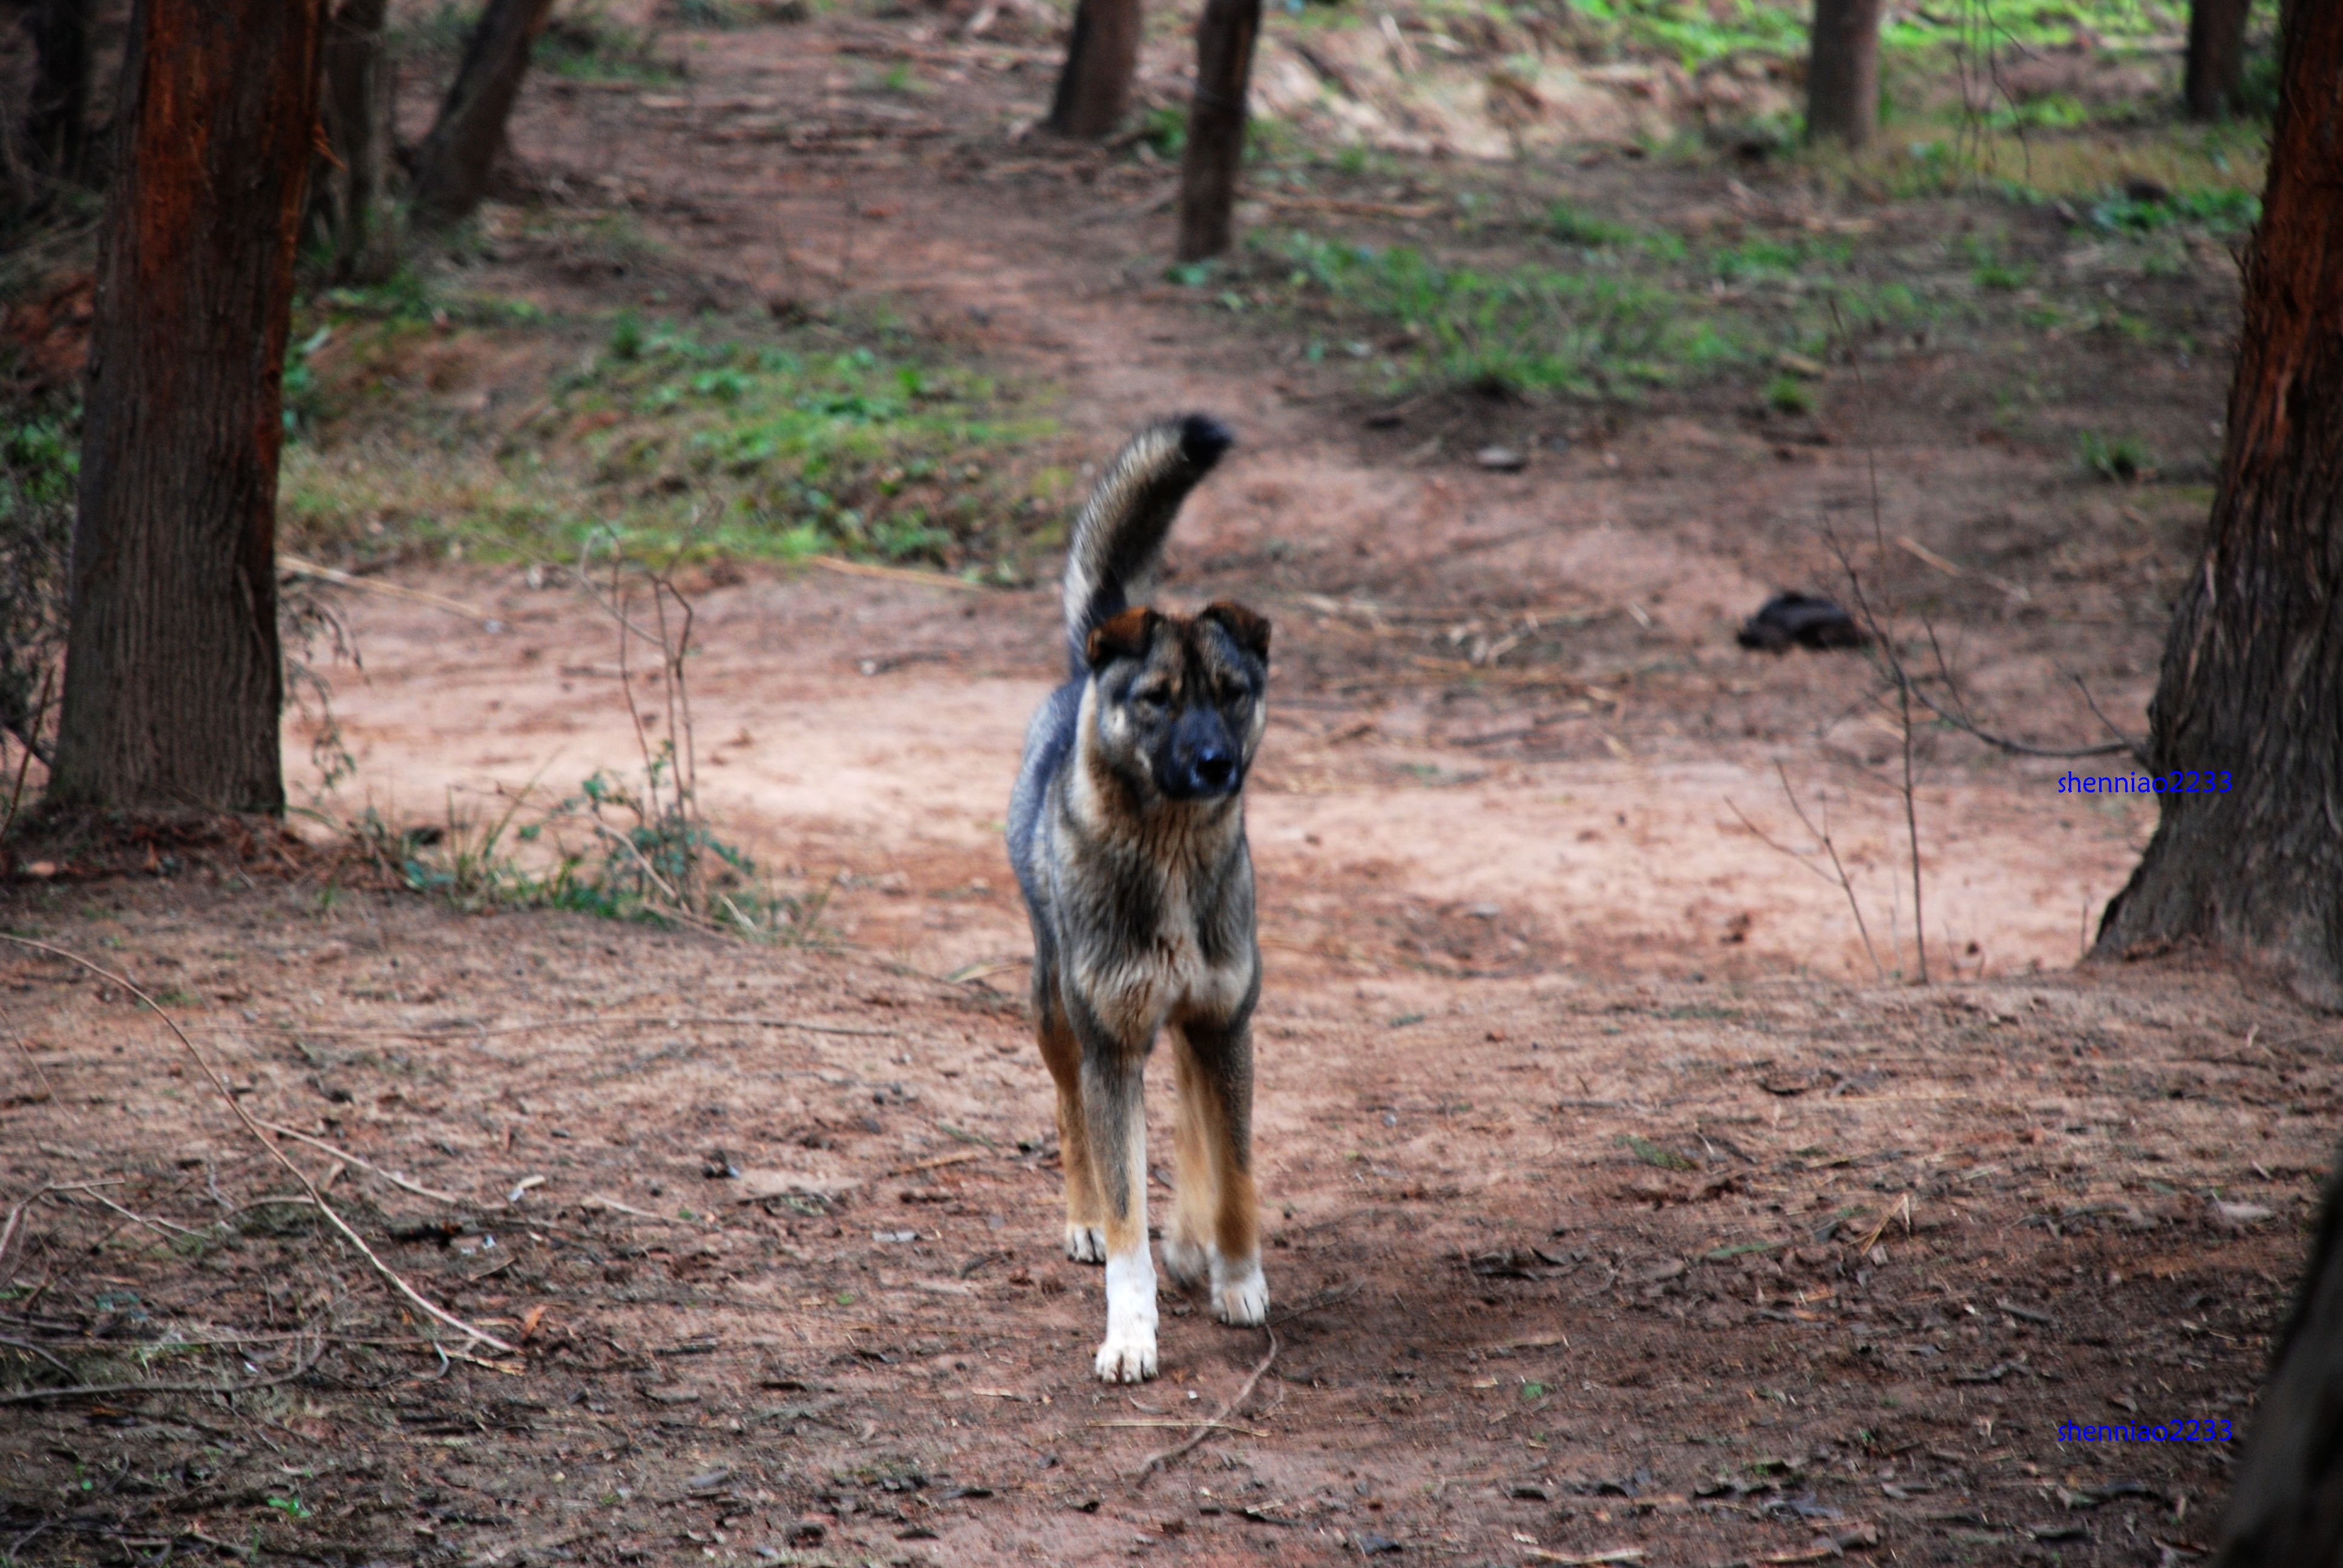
<point>1179,698</point>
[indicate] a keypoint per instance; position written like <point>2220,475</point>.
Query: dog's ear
<point>1250,630</point>
<point>1125,635</point>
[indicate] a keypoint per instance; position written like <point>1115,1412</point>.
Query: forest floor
<point>1628,1202</point>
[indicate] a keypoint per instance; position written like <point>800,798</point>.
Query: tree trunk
<point>2252,682</point>
<point>2217,58</point>
<point>1843,72</point>
<point>349,198</point>
<point>173,678</point>
<point>1225,36</point>
<point>1095,85</point>
<point>56,124</point>
<point>2288,1505</point>
<point>453,165</point>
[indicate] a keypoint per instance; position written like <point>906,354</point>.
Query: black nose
<point>1214,768</point>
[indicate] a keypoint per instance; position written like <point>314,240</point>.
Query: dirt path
<point>1616,1208</point>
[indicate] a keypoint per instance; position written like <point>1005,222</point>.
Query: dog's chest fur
<point>1156,909</point>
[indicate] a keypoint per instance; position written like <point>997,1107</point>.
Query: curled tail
<point>1119,536</point>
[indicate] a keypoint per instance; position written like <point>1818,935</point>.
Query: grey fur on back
<point>1119,537</point>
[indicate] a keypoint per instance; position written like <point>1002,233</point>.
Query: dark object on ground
<point>1807,619</point>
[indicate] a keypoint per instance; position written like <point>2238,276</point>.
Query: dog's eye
<point>1151,698</point>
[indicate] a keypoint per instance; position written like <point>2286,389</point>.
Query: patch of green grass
<point>1696,34</point>
<point>585,45</point>
<point>1651,1153</point>
<point>1524,331</point>
<point>2120,460</point>
<point>1164,128</point>
<point>823,438</point>
<point>1785,394</point>
<point>1641,310</point>
<point>1572,225</point>
<point>2222,211</point>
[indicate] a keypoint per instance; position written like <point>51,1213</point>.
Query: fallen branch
<point>294,566</point>
<point>1218,1422</point>
<point>1187,1426</point>
<point>663,1019</point>
<point>390,1275</point>
<point>131,1390</point>
<point>393,1177</point>
<point>894,574</point>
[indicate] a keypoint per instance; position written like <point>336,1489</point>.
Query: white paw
<point>1241,1295</point>
<point>1086,1243</point>
<point>1185,1262</point>
<point>1127,1355</point>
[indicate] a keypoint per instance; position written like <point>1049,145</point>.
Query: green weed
<point>2121,460</point>
<point>585,45</point>
<point>2218,211</point>
<point>1572,225</point>
<point>1164,128</point>
<point>1785,394</point>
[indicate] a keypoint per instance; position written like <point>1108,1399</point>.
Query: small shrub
<point>2122,460</point>
<point>1787,394</point>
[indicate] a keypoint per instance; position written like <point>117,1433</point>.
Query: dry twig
<point>1219,1422</point>
<point>393,1177</point>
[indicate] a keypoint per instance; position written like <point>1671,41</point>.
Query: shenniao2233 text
<point>2179,781</point>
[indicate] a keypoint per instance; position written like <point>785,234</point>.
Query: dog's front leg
<point>1218,1200</point>
<point>1115,1107</point>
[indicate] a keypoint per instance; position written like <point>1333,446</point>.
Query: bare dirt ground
<point>1618,1205</point>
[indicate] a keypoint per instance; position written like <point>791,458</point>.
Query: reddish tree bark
<point>1225,36</point>
<point>453,165</point>
<point>2252,679</point>
<point>1094,88</point>
<point>1843,72</point>
<point>173,678</point>
<point>2210,86</point>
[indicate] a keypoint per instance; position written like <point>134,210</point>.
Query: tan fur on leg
<point>1188,1237</point>
<point>1085,1210</point>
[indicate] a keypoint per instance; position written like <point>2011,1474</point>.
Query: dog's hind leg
<point>1113,1106</point>
<point>1216,1106</point>
<point>1085,1213</point>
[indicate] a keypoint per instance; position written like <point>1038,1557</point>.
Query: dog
<point>1127,833</point>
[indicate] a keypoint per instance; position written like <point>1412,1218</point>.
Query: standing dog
<point>1127,831</point>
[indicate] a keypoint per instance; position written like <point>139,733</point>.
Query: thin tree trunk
<point>57,124</point>
<point>2288,1505</point>
<point>349,198</point>
<point>2217,58</point>
<point>1095,85</point>
<point>2251,687</point>
<point>1843,72</point>
<point>1225,36</point>
<point>453,165</point>
<point>173,678</point>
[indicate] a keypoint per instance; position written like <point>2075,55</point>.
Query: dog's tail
<point>1119,537</point>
